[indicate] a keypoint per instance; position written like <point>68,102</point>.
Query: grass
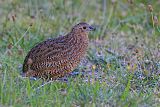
<point>122,65</point>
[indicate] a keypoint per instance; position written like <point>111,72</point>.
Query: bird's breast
<point>77,46</point>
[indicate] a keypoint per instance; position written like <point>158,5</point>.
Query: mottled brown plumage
<point>56,57</point>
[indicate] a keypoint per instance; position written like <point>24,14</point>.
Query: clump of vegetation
<point>122,65</point>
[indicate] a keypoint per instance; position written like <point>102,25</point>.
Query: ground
<point>122,64</point>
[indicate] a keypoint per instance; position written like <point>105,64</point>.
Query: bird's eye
<point>84,27</point>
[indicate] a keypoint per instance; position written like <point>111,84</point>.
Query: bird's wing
<point>46,54</point>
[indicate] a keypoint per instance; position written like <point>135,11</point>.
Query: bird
<point>54,58</point>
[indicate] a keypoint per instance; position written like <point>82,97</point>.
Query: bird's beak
<point>91,28</point>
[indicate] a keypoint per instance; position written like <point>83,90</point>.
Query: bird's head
<point>82,28</point>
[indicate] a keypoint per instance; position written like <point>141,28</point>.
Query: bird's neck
<point>78,38</point>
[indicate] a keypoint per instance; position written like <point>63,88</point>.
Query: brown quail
<point>56,57</point>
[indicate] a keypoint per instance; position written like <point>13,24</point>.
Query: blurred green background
<point>122,64</point>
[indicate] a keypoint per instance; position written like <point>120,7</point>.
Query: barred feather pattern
<point>55,58</point>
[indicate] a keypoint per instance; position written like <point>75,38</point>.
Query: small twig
<point>18,40</point>
<point>43,84</point>
<point>48,82</point>
<point>114,54</point>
